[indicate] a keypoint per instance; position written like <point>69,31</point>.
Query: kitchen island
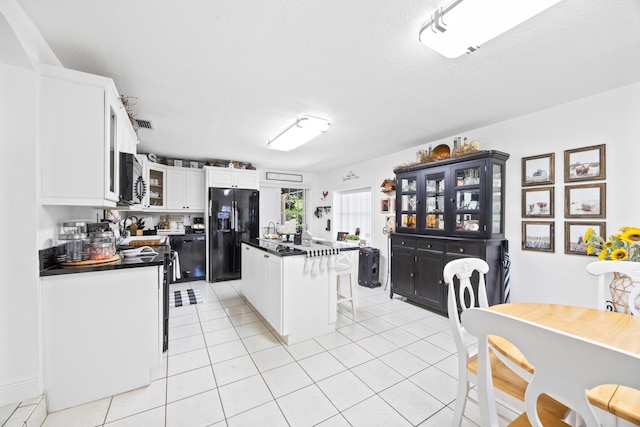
<point>293,287</point>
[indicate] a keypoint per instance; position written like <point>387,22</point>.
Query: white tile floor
<point>394,364</point>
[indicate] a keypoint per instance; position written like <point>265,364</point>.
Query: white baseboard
<point>18,389</point>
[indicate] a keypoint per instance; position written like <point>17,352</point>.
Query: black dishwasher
<point>190,262</point>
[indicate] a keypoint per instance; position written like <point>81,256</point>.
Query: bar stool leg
<point>343,297</point>
<point>353,303</point>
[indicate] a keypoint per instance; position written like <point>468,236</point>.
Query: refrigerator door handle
<point>235,216</point>
<point>209,207</point>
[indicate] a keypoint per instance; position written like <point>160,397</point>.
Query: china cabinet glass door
<point>496,200</point>
<point>408,202</point>
<point>435,206</point>
<point>467,198</point>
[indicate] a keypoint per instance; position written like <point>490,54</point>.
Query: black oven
<point>132,185</point>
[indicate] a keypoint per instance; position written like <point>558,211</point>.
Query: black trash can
<point>369,267</point>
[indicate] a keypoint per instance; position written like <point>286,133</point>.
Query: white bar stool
<point>343,268</point>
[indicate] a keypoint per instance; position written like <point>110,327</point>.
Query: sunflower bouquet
<point>623,246</point>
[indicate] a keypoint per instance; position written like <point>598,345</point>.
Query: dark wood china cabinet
<point>445,210</point>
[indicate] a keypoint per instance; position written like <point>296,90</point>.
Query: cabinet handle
<point>461,250</point>
<point>246,248</point>
<point>266,256</point>
<point>429,246</point>
<point>440,282</point>
<point>452,201</point>
<point>402,242</point>
<point>411,274</point>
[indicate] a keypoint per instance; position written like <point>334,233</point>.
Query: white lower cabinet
<point>102,333</point>
<point>262,285</point>
<point>253,277</point>
<point>274,312</point>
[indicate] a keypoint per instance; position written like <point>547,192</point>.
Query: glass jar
<point>102,237</point>
<point>72,247</point>
<point>101,250</point>
<point>74,227</point>
<point>102,245</point>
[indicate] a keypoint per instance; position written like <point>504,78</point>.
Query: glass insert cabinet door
<point>467,198</point>
<point>496,200</point>
<point>408,202</point>
<point>435,207</point>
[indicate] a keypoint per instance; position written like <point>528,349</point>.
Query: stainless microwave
<point>133,188</point>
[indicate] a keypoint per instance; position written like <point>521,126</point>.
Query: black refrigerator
<point>233,216</point>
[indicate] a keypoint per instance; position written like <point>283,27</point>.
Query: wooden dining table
<point>614,329</point>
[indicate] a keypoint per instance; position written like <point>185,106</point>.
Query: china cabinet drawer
<point>466,249</point>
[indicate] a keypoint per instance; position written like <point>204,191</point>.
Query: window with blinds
<point>353,211</point>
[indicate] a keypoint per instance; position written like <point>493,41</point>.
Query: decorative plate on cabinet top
<point>441,151</point>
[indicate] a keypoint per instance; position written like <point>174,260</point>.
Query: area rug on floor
<point>184,298</point>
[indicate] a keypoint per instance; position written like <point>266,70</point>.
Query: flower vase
<point>620,287</point>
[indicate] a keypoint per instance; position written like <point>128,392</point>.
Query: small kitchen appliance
<point>133,188</point>
<point>198,225</point>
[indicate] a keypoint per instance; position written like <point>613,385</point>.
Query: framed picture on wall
<point>574,235</point>
<point>537,202</point>
<point>585,164</point>
<point>585,201</point>
<point>538,236</point>
<point>538,170</point>
<point>385,206</point>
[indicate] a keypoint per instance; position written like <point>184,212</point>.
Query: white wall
<point>18,253</point>
<point>609,118</point>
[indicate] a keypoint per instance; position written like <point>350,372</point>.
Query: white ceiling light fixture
<point>303,130</point>
<point>464,25</point>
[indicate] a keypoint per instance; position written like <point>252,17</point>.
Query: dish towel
<point>176,266</point>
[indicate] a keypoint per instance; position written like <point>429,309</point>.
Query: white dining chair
<point>510,385</point>
<point>630,269</point>
<point>566,366</point>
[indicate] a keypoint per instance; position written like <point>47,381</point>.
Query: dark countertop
<point>288,248</point>
<point>124,262</point>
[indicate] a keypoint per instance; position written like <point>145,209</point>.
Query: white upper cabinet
<point>232,178</point>
<point>195,190</point>
<point>156,179</point>
<point>81,127</point>
<point>185,189</point>
<point>127,138</point>
<point>175,188</point>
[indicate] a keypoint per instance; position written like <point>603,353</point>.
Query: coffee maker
<point>198,225</point>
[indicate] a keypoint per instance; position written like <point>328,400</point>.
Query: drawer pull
<point>440,282</point>
<point>429,246</point>
<point>402,242</point>
<point>461,250</point>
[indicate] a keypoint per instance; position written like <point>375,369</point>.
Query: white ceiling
<point>219,77</point>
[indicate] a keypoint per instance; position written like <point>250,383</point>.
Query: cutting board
<point>89,262</point>
<point>138,243</point>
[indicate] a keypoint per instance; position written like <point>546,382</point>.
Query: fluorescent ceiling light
<point>303,130</point>
<point>464,25</point>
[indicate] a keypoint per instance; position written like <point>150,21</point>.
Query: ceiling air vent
<point>144,124</point>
